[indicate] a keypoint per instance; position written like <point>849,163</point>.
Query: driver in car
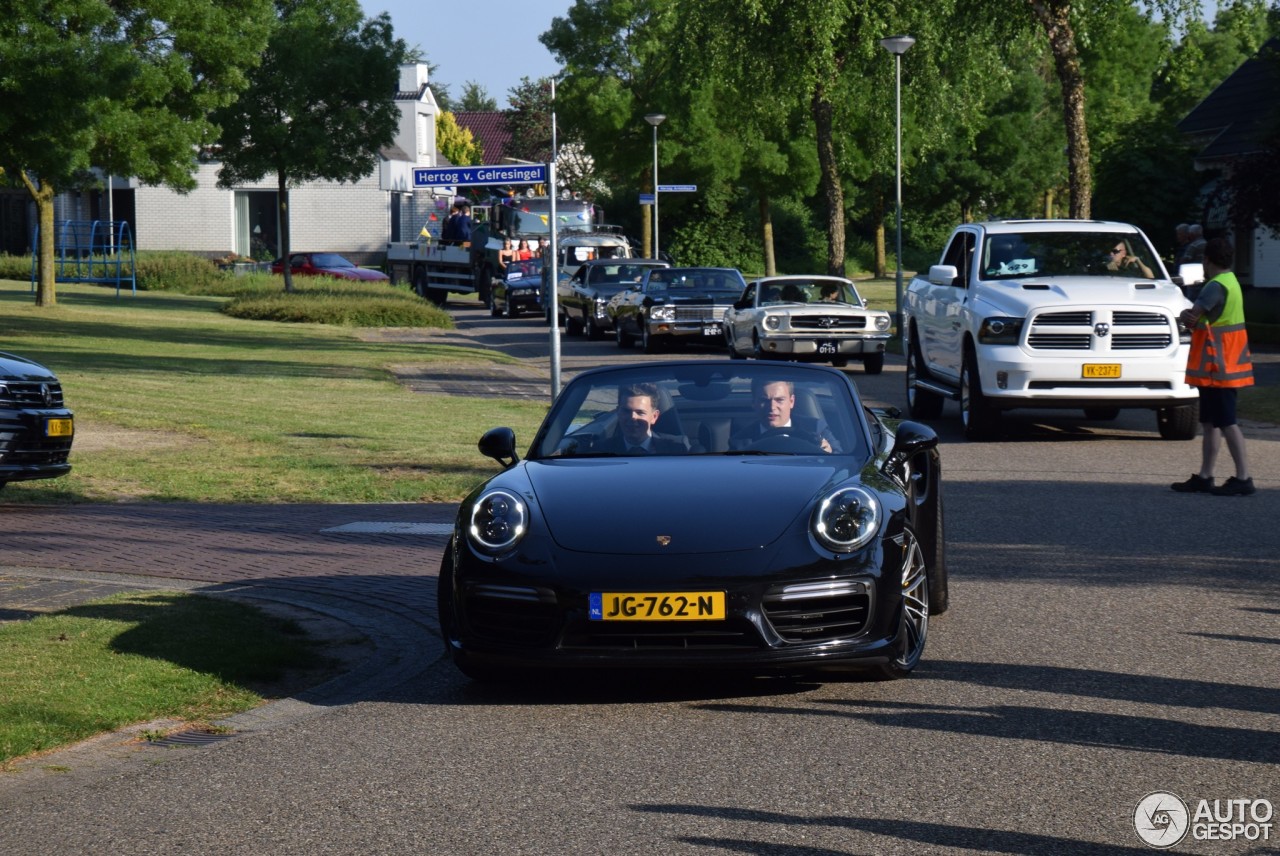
<point>773,402</point>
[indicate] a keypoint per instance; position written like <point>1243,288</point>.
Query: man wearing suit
<point>774,401</point>
<point>637,414</point>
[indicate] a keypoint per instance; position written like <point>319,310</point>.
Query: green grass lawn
<point>69,675</point>
<point>175,401</point>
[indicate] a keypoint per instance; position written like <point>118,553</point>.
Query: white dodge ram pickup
<point>1048,314</point>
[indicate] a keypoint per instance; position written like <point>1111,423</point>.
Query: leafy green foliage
<point>457,144</point>
<point>475,98</point>
<point>317,106</point>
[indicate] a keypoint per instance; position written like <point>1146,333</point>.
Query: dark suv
<point>35,428</point>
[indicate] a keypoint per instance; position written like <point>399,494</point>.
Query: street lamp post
<point>898,45</point>
<point>655,119</point>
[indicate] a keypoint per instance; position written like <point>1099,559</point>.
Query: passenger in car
<point>774,403</point>
<point>638,413</point>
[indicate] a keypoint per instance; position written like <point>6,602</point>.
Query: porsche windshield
<point>704,410</point>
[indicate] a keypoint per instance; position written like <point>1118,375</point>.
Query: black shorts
<point>1218,406</point>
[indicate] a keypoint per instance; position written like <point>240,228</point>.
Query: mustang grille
<point>818,612</point>
<point>828,322</point>
<point>30,393</point>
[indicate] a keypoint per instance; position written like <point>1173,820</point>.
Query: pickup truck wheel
<point>1178,423</point>
<point>873,363</point>
<point>438,296</point>
<point>485,284</point>
<point>980,419</point>
<point>619,336</point>
<point>593,332</point>
<point>650,343</point>
<point>572,326</point>
<point>921,403</point>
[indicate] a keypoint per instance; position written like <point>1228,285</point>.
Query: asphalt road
<point>1107,639</point>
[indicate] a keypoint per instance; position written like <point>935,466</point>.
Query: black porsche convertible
<point>704,515</point>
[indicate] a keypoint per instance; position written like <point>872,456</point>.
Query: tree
<point>124,87</point>
<point>457,144</point>
<point>529,120</point>
<point>475,99</point>
<point>319,107</point>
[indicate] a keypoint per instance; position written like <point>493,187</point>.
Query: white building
<point>356,219</point>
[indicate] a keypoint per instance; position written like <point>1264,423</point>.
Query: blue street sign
<point>677,188</point>
<point>459,176</point>
<point>646,198</point>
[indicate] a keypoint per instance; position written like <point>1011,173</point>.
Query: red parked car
<point>328,264</point>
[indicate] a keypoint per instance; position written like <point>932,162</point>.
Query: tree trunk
<point>286,243</point>
<point>47,289</point>
<point>829,181</point>
<point>646,228</point>
<point>1055,17</point>
<point>766,236</point>
<point>880,263</point>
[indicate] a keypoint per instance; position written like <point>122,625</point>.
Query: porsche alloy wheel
<point>913,622</point>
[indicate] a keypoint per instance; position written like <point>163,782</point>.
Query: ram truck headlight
<point>773,322</point>
<point>1000,330</point>
<point>846,519</point>
<point>499,520</point>
<point>663,313</point>
<point>883,322</point>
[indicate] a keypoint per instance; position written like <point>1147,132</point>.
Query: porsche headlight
<point>663,313</point>
<point>773,322</point>
<point>846,519</point>
<point>499,520</point>
<point>883,322</point>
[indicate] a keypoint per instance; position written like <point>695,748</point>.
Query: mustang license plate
<point>828,346</point>
<point>657,606</point>
<point>1107,370</point>
<point>59,428</point>
<point>711,330</point>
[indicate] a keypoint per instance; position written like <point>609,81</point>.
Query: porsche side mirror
<point>500,444</point>
<point>910,439</point>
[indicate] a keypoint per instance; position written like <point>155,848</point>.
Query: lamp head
<point>897,44</point>
<point>655,119</point>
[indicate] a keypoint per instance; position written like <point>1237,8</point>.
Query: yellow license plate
<point>1111,370</point>
<point>59,428</point>
<point>657,606</point>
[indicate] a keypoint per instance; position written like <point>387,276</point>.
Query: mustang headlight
<point>1000,331</point>
<point>773,322</point>
<point>846,519</point>
<point>883,322</point>
<point>663,313</point>
<point>499,520</point>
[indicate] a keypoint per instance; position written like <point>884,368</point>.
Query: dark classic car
<point>675,304</point>
<point>705,515</point>
<point>35,428</point>
<point>583,298</point>
<point>517,290</point>
<point>328,264</point>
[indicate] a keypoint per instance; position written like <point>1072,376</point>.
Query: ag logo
<point>1161,819</point>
